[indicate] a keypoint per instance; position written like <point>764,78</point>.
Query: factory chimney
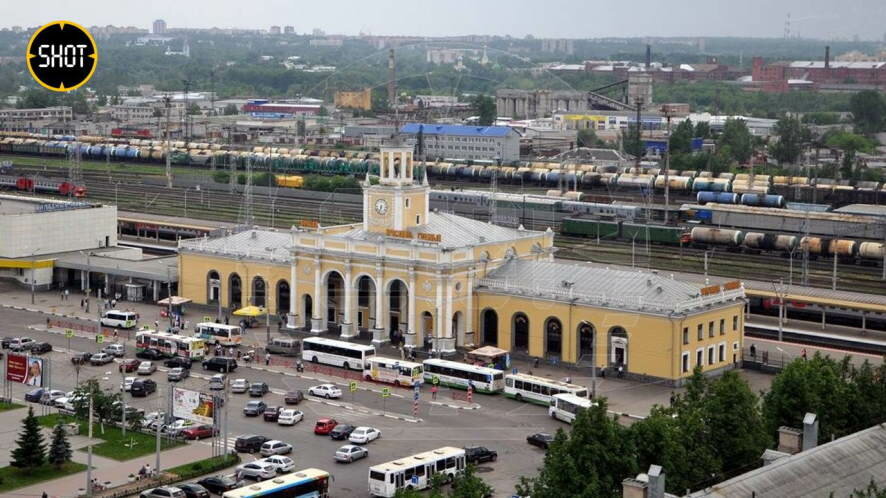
<point>827,57</point>
<point>648,56</point>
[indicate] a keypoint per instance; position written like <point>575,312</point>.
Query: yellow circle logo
<point>62,56</point>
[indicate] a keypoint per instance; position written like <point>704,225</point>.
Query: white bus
<point>393,371</point>
<point>539,390</point>
<point>336,353</point>
<point>459,375</point>
<point>119,319</point>
<point>566,406</point>
<point>170,345</point>
<point>219,333</point>
<point>308,483</point>
<point>415,472</point>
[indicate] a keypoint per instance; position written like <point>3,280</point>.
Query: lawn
<point>115,445</point>
<point>12,477</point>
<point>9,406</point>
<point>200,467</point>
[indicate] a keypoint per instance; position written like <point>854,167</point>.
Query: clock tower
<point>397,202</point>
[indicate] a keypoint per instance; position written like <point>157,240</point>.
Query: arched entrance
<point>213,287</point>
<point>282,297</point>
<point>489,319</point>
<point>366,312</point>
<point>618,347</point>
<point>258,291</point>
<point>235,297</point>
<point>307,306</point>
<point>398,305</point>
<point>520,331</point>
<point>458,325</point>
<point>586,333</point>
<point>427,326</point>
<point>335,296</point>
<point>553,337</point>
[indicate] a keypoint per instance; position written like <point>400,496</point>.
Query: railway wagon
<point>716,236</point>
<point>660,234</point>
<point>590,228</point>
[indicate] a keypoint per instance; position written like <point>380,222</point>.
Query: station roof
<point>457,130</point>
<point>121,263</point>
<point>836,468</point>
<point>163,220</point>
<point>249,244</point>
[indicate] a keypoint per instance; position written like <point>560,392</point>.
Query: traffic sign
<point>435,380</point>
<point>69,333</point>
<point>414,479</point>
<point>207,318</point>
<point>385,392</point>
<point>99,338</point>
<point>352,386</point>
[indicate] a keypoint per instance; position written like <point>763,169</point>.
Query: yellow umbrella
<point>250,311</point>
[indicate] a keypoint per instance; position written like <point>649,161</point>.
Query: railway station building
<point>446,282</point>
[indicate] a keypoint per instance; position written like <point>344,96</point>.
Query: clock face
<point>381,206</point>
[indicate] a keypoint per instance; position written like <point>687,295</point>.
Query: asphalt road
<point>499,423</point>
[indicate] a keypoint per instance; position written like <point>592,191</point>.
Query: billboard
<point>24,369</point>
<point>192,405</point>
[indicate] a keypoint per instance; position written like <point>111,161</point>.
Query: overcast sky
<point>826,19</point>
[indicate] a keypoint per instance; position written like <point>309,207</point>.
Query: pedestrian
<point>45,495</point>
<point>231,351</point>
<point>267,358</point>
<point>535,363</point>
<point>279,326</point>
<point>82,302</point>
<point>156,324</point>
<point>402,353</point>
<point>113,303</point>
<point>226,320</point>
<point>434,393</point>
<point>115,335</point>
<point>673,398</point>
<point>239,354</point>
<point>753,352</point>
<point>804,353</point>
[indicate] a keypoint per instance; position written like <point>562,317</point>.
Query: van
<point>286,346</point>
<point>119,319</point>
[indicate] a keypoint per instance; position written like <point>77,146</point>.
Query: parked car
<point>217,382</point>
<point>21,343</point>
<point>146,368</point>
<point>126,385</point>
<point>192,490</point>
<point>364,435</point>
<point>149,354</point>
<point>116,350</point>
<point>152,419</point>
<point>41,347</point>
<point>81,358</point>
<point>249,443</point>
<point>178,362</point>
<point>257,469</point>
<point>258,389</point>
<point>175,429</point>
<point>275,447</point>
<point>480,454</point>
<point>540,439</point>
<point>68,403</point>
<point>325,391</point>
<point>34,395</point>
<point>293,397</point>
<point>142,388</point>
<point>100,359</point>
<point>5,341</point>
<point>271,413</point>
<point>117,414</point>
<point>220,364</point>
<point>350,452</point>
<point>177,374</point>
<point>218,484</point>
<point>130,365</point>
<point>50,395</point>
<point>198,432</point>
<point>324,426</point>
<point>239,386</point>
<point>341,432</point>
<point>281,463</point>
<point>289,416</point>
<point>163,492</point>
<point>254,408</point>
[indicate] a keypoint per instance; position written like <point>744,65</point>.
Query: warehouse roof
<point>863,209</point>
<point>837,467</point>
<point>458,130</point>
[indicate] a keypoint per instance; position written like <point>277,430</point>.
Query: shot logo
<point>62,56</point>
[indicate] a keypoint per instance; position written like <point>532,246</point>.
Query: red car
<point>128,366</point>
<point>324,426</point>
<point>198,432</point>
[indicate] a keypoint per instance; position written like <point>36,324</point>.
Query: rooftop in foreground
<point>16,204</point>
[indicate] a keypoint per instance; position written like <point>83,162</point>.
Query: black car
<point>249,443</point>
<point>540,439</point>
<point>258,389</point>
<point>341,431</point>
<point>294,397</point>
<point>142,388</point>
<point>218,484</point>
<point>178,362</point>
<point>193,490</point>
<point>41,347</point>
<point>149,354</point>
<point>480,454</point>
<point>4,342</point>
<point>271,413</point>
<point>81,358</point>
<point>220,364</point>
<point>34,395</point>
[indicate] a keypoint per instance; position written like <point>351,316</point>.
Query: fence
<point>336,372</point>
<point>90,328</point>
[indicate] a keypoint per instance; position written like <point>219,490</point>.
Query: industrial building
<point>466,142</point>
<point>448,281</point>
<point>781,76</point>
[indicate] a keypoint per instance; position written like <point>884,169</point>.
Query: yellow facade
<point>355,100</point>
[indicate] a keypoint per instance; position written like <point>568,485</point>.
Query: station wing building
<point>445,282</point>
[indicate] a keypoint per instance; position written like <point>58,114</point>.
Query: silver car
<point>163,492</point>
<point>275,447</point>
<point>239,386</point>
<point>350,452</point>
<point>177,374</point>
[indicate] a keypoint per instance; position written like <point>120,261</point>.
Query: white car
<point>146,368</point>
<point>239,386</point>
<point>175,428</point>
<point>325,391</point>
<point>116,350</point>
<point>67,403</point>
<point>217,382</point>
<point>152,419</point>
<point>49,397</point>
<point>21,343</point>
<point>257,470</point>
<point>281,463</point>
<point>363,435</point>
<point>127,383</point>
<point>275,447</point>
<point>289,416</point>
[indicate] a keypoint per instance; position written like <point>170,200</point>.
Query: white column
<point>439,313</point>
<point>447,345</point>
<point>379,333</point>
<point>320,305</point>
<point>293,294</point>
<point>469,336</point>
<point>411,337</point>
<point>348,329</point>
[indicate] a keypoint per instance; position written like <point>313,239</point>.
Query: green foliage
<point>331,183</point>
<point>14,477</point>
<point>681,138</point>
<point>193,109</point>
<point>738,139</point>
<point>791,136</point>
<point>871,491</point>
<point>101,100</point>
<point>728,98</point>
<point>103,403</point>
<point>230,110</point>
<point>868,111</point>
<point>59,448</point>
<point>221,177</point>
<point>731,412</point>
<point>703,129</point>
<point>241,179</point>
<point>206,466</point>
<point>469,485</point>
<point>323,111</point>
<point>486,109</point>
<point>631,142</point>
<point>264,179</point>
<point>846,141</point>
<point>821,118</point>
<point>30,450</point>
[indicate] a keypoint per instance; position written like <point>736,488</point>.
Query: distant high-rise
<point>275,30</point>
<point>159,27</point>
<point>288,30</point>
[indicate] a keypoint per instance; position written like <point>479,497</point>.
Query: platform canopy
<point>175,301</point>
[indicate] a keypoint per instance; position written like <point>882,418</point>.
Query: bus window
<point>509,382</point>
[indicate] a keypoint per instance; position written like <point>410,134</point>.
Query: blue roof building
<point>444,141</point>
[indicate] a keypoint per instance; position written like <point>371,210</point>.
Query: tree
<point>871,491</point>
<point>631,143</point>
<point>30,451</point>
<point>59,448</point>
<point>791,136</point>
<point>738,138</point>
<point>868,111</point>
<point>469,485</point>
<point>230,110</point>
<point>681,138</point>
<point>103,404</point>
<point>586,137</point>
<point>731,412</point>
<point>322,111</point>
<point>101,100</point>
<point>193,109</point>
<point>486,109</point>
<point>703,129</point>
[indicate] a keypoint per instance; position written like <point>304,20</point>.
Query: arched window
<point>553,337</point>
<point>258,291</point>
<point>490,327</point>
<point>283,297</point>
<point>618,347</point>
<point>520,328</point>
<point>586,340</point>
<point>213,287</point>
<point>235,286</point>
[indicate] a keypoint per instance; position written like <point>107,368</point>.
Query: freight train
<point>46,186</point>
